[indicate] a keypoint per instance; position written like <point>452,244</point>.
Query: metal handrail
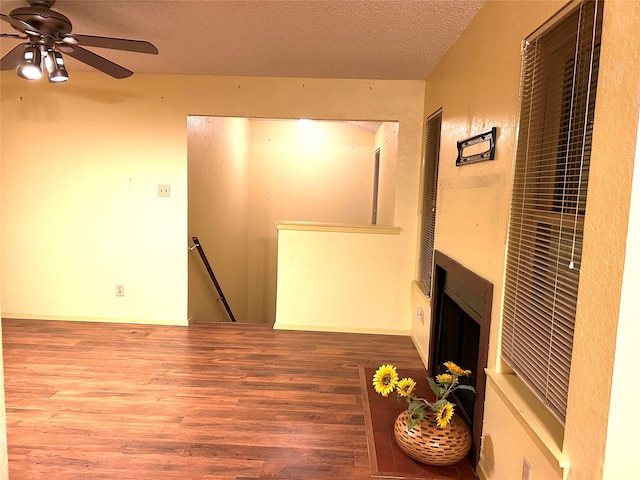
<point>211,274</point>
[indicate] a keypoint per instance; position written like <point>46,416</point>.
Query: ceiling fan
<point>48,35</point>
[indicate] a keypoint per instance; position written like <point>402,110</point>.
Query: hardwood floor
<point>209,401</point>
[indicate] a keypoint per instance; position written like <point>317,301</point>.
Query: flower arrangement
<point>386,380</point>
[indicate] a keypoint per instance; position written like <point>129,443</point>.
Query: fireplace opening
<point>460,322</point>
<point>459,335</point>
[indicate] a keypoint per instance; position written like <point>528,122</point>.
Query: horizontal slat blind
<point>558,89</point>
<point>429,194</point>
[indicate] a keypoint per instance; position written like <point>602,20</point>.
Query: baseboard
<point>70,318</point>
<point>424,354</point>
<point>340,329</point>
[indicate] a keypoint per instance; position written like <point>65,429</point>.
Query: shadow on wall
<point>487,456</point>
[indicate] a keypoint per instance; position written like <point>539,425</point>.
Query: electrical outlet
<point>526,469</point>
<point>164,190</point>
<point>420,315</point>
<point>119,290</point>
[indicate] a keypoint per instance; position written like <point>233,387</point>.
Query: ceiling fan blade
<point>12,35</point>
<point>22,26</point>
<point>97,62</point>
<point>138,46</point>
<point>12,59</point>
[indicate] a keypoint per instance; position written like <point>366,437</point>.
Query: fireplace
<point>460,320</point>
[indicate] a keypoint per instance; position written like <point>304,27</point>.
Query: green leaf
<point>414,418</point>
<point>415,405</point>
<point>435,388</point>
<point>439,404</point>
<point>466,387</point>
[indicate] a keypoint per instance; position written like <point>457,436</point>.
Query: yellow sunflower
<point>456,370</point>
<point>443,416</point>
<point>446,379</point>
<point>405,386</point>
<point>385,379</point>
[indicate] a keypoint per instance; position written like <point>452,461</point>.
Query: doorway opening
<point>247,174</point>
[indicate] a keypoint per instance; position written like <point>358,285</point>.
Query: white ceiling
<point>368,39</point>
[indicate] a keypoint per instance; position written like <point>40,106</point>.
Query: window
<point>429,194</point>
<point>557,100</point>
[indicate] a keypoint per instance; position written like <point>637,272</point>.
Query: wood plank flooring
<point>209,401</point>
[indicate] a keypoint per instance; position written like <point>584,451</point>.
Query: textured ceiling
<point>368,39</point>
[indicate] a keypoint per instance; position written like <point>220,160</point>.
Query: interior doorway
<point>245,175</point>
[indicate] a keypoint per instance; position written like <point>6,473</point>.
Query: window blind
<point>429,194</point>
<point>557,100</point>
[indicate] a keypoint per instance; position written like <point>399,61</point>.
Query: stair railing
<point>198,246</point>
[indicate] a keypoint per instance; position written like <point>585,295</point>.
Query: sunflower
<point>405,386</point>
<point>385,379</point>
<point>446,379</point>
<point>443,416</point>
<point>456,370</point>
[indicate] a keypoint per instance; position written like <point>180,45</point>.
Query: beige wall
<point>79,220</point>
<point>310,171</point>
<point>603,255</point>
<point>624,422</point>
<point>477,85</point>
<point>4,460</point>
<point>218,160</point>
<point>302,171</point>
<point>387,142</point>
<point>504,444</point>
<point>80,211</point>
<point>320,281</point>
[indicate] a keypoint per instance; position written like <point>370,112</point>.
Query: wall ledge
<point>71,318</point>
<point>543,428</point>
<point>338,228</point>
<point>418,288</point>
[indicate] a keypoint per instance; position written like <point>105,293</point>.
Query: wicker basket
<point>426,443</point>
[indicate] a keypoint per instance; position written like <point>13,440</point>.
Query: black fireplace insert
<point>460,320</point>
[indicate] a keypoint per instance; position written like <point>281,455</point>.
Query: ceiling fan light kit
<point>56,70</point>
<point>29,67</point>
<point>48,33</point>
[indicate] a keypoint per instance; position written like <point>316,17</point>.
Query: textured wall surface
<point>624,422</point>
<point>477,91</point>
<point>606,227</point>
